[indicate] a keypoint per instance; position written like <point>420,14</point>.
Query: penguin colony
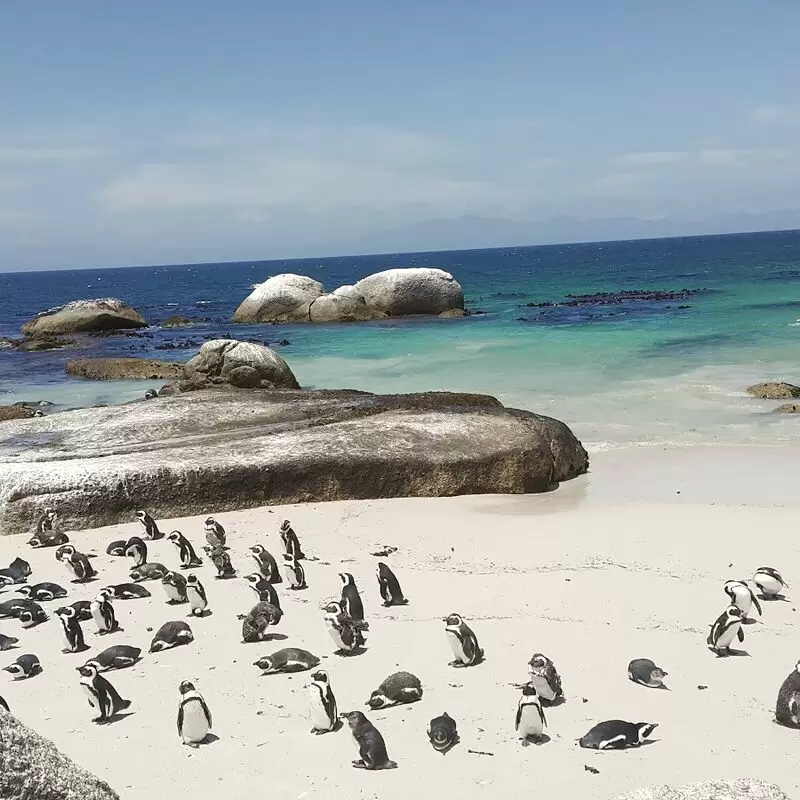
<point>345,622</point>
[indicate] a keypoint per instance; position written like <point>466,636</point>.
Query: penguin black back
<point>389,586</point>
<point>371,746</point>
<point>787,706</point>
<point>443,733</point>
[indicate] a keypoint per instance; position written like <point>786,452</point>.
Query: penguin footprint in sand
<point>463,642</point>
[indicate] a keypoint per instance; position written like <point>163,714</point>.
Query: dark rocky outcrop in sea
<point>774,391</point>
<point>82,316</point>
<point>614,298</point>
<point>112,369</point>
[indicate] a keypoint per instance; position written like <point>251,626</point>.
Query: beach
<point>626,562</point>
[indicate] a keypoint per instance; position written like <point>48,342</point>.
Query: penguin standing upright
<point>174,587</point>
<point>295,574</point>
<point>742,597</point>
<point>291,544</point>
<point>530,722</point>
<point>787,707</point>
<point>194,716</point>
<point>390,589</point>
<point>103,613</point>
<point>215,533</point>
<point>149,526</point>
<point>185,550</point>
<point>137,550</point>
<point>322,704</point>
<point>463,642</point>
<point>101,694</point>
<point>77,563</point>
<point>351,599</point>
<point>267,565</point>
<point>726,628</point>
<point>370,743</point>
<point>196,595</point>
<point>770,582</point>
<point>222,561</point>
<point>544,676</point>
<point>265,591</point>
<point>345,631</point>
<point>71,628</point>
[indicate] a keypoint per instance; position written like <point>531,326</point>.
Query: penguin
<point>215,533</point>
<point>7,642</point>
<point>151,394</point>
<point>196,595</point>
<point>295,573</point>
<point>390,589</point>
<point>136,549</point>
<point>787,707</point>
<point>222,561</point>
<point>47,523</point>
<point>291,544</point>
<point>321,704</point>
<point>443,733</point>
<point>16,605</point>
<point>18,571</point>
<point>148,572</point>
<point>726,628</point>
<point>24,667</point>
<point>103,614</point>
<point>102,696</point>
<point>175,587</point>
<point>345,632</point>
<point>371,746</point>
<point>742,597</point>
<point>71,628</point>
<point>530,722</point>
<point>256,623</point>
<point>117,548</point>
<point>171,634</point>
<point>77,563</point>
<point>399,687</point>
<point>186,552</point>
<point>643,671</point>
<point>149,527</point>
<point>267,565</point>
<point>83,609</point>
<point>5,581</point>
<point>770,582</point>
<point>615,734</point>
<point>463,642</point>
<point>48,539</point>
<point>4,705</point>
<point>351,599</point>
<point>43,592</point>
<point>127,591</point>
<point>194,716</point>
<point>264,589</point>
<point>30,617</point>
<point>119,656</point>
<point>544,676</point>
<point>288,659</point>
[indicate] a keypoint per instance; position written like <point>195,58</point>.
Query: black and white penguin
<point>47,522</point>
<point>644,672</point>
<point>399,687</point>
<point>787,707</point>
<point>136,548</point>
<point>128,591</point>
<point>32,616</point>
<point>171,634</point>
<point>149,526</point>
<point>267,565</point>
<point>24,667</point>
<point>544,676</point>
<point>43,592</point>
<point>287,659</point>
<point>186,552</point>
<point>390,589</point>
<point>291,544</point>
<point>265,591</point>
<point>174,587</point>
<point>222,561</point>
<point>370,743</point>
<point>71,629</point>
<point>77,563</point>
<point>196,594</point>
<point>742,597</point>
<point>295,574</point>
<point>443,733</point>
<point>726,628</point>
<point>117,548</point>
<point>256,624</point>
<point>345,631</point>
<point>102,696</point>
<point>7,642</point>
<point>463,642</point>
<point>322,704</point>
<point>18,571</point>
<point>351,599</point>
<point>48,531</point>
<point>15,606</point>
<point>530,721</point>
<point>119,656</point>
<point>194,716</point>
<point>83,609</point>
<point>770,582</point>
<point>103,614</point>
<point>151,394</point>
<point>615,734</point>
<point>4,705</point>
<point>152,571</point>
<point>215,533</point>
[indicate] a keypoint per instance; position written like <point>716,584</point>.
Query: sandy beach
<point>626,562</point>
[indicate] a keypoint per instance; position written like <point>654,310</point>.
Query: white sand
<point>592,575</point>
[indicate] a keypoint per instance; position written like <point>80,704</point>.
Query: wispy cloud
<point>28,154</point>
<point>650,158</point>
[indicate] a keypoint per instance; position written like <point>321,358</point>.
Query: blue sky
<point>146,132</point>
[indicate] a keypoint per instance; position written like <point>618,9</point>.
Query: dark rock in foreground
<point>774,391</point>
<point>224,449</point>
<point>15,412</point>
<point>113,369</point>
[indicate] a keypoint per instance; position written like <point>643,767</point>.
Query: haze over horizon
<point>201,133</point>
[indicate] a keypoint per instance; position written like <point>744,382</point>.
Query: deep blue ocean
<point>652,372</point>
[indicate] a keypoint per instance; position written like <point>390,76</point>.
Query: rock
<point>226,449</point>
<point>345,304</point>
<point>15,412</point>
<point>739,789</point>
<point>244,377</point>
<point>218,358</point>
<point>114,369</point>
<point>774,391</point>
<point>9,344</point>
<point>417,290</point>
<point>177,322</point>
<point>85,315</point>
<point>787,408</point>
<point>32,768</point>
<point>282,298</point>
<point>38,343</point>
<point>455,313</point>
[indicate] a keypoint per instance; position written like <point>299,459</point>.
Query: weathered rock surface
<point>740,789</point>
<point>38,343</point>
<point>114,369</point>
<point>85,315</point>
<point>787,408</point>
<point>224,449</point>
<point>15,412</point>
<point>345,304</point>
<point>177,321</point>
<point>418,290</point>
<point>282,298</point>
<point>774,391</point>
<point>32,768</point>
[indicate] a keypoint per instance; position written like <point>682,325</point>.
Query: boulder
<point>85,315</point>
<point>455,313</point>
<point>218,362</point>
<point>226,449</point>
<point>345,304</point>
<point>282,298</point>
<point>15,412</point>
<point>787,408</point>
<point>38,343</point>
<point>739,789</point>
<point>177,321</point>
<point>115,369</point>
<point>32,768</point>
<point>774,391</point>
<point>416,290</point>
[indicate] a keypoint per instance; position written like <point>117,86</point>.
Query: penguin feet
<point>457,664</point>
<point>193,745</point>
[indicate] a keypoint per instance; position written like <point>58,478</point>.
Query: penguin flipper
<point>756,603</point>
<point>180,718</point>
<point>740,634</point>
<point>518,718</point>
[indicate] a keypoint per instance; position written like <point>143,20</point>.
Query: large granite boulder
<point>225,449</point>
<point>81,316</point>
<point>282,298</point>
<point>115,369</point>
<point>345,304</point>
<point>15,412</point>
<point>739,789</point>
<point>32,768</point>
<point>417,290</point>
<point>774,391</point>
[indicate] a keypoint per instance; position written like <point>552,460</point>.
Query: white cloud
<point>650,158</point>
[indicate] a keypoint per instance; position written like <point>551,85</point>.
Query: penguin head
<point>333,607</point>
<point>657,675</point>
<point>175,537</point>
<point>285,525</point>
<point>210,522</point>
<point>264,663</point>
<point>320,676</point>
<point>734,612</point>
<point>377,700</point>
<point>645,729</point>
<point>26,590</point>
<point>453,620</point>
<point>538,661</point>
<point>66,611</point>
<point>191,578</point>
<point>13,669</point>
<point>253,578</point>
<point>258,549</point>
<point>103,596</point>
<point>288,558</point>
<point>169,578</point>
<point>65,552</point>
<point>34,541</point>
<point>29,618</point>
<point>89,669</point>
<point>186,686</point>
<point>529,690</point>
<point>347,579</point>
<point>141,515</point>
<point>150,394</point>
<point>20,566</point>
<point>135,575</point>
<point>352,718</point>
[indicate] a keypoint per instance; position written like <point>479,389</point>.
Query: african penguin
<point>267,565</point>
<point>615,734</point>
<point>345,631</point>
<point>83,608</point>
<point>399,687</point>
<point>24,667</point>
<point>443,733</point>
<point>726,628</point>
<point>530,721</point>
<point>215,533</point>
<point>148,572</point>
<point>71,629</point>
<point>351,599</point>
<point>291,544</point>
<point>287,659</point>
<point>222,561</point>
<point>117,548</point>
<point>263,588</point>
<point>136,549</point>
<point>186,552</point>
<point>390,589</point>
<point>7,642</point>
<point>77,563</point>
<point>127,591</point>
<point>32,616</point>
<point>742,597</point>
<point>321,704</point>
<point>194,716</point>
<point>643,671</point>
<point>149,526</point>
<point>43,592</point>
<point>370,744</point>
<point>102,696</point>
<point>174,587</point>
<point>18,571</point>
<point>119,656</point>
<point>256,624</point>
<point>16,605</point>
<point>196,595</point>
<point>463,642</point>
<point>787,707</point>
<point>171,634</point>
<point>295,574</point>
<point>103,614</point>
<point>544,676</point>
<point>770,582</point>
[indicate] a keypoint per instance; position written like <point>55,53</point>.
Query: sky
<point>202,131</point>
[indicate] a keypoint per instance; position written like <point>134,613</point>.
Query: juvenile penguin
<point>119,656</point>
<point>726,628</point>
<point>321,704</point>
<point>171,634</point>
<point>351,599</point>
<point>18,571</point>
<point>103,614</point>
<point>544,676</point>
<point>390,589</point>
<point>43,592</point>
<point>148,572</point>
<point>787,707</point>
<point>83,609</point>
<point>128,591</point>
<point>267,565</point>
<point>77,563</point>
<point>742,597</point>
<point>443,733</point>
<point>646,673</point>
<point>24,667</point>
<point>32,616</point>
<point>174,587</point>
<point>117,548</point>
<point>463,642</point>
<point>215,533</point>
<point>137,550</point>
<point>399,687</point>
<point>770,582</point>
<point>186,552</point>
<point>7,642</point>
<point>71,629</point>
<point>196,595</point>
<point>264,589</point>
<point>287,659</point>
<point>222,561</point>
<point>194,716</point>
<point>369,742</point>
<point>102,696</point>
<point>530,721</point>
<point>256,624</point>
<point>615,734</point>
<point>295,574</point>
<point>149,526</point>
<point>291,544</point>
<point>345,631</point>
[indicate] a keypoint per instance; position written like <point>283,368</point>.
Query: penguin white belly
<point>290,575</point>
<point>543,688</point>
<point>319,716</point>
<point>336,635</point>
<point>728,636</point>
<point>65,638</point>
<point>97,616</point>
<point>172,592</point>
<point>90,695</point>
<point>455,646</point>
<point>195,600</point>
<point>768,584</point>
<point>743,600</point>
<point>195,725</point>
<point>530,723</point>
